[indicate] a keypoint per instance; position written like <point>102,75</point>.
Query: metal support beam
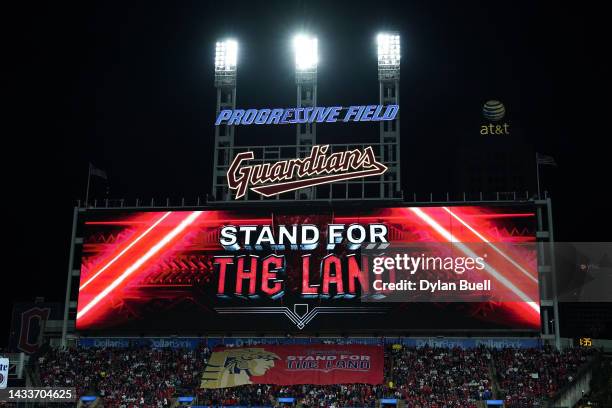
<point>389,89</point>
<point>224,143</point>
<point>306,133</point>
<point>75,213</point>
<point>225,82</point>
<point>390,139</point>
<point>551,243</point>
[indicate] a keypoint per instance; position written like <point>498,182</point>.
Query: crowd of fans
<point>139,377</point>
<point>438,377</point>
<point>253,395</point>
<point>528,375</point>
<point>424,377</point>
<point>345,395</point>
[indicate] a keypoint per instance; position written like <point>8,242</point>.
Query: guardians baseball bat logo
<point>269,179</point>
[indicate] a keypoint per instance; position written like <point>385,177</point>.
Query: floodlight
<point>306,53</point>
<point>388,49</point>
<point>226,55</point>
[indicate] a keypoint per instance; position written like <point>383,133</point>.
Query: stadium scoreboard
<point>308,269</point>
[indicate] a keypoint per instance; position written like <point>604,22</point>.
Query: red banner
<point>292,364</point>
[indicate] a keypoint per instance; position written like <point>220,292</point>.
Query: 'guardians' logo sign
<point>269,179</point>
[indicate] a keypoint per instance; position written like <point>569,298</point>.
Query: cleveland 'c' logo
<point>231,368</point>
<point>317,168</point>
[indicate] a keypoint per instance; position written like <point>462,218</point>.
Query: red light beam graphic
<point>152,251</point>
<point>496,249</point>
<point>127,248</point>
<point>451,238</point>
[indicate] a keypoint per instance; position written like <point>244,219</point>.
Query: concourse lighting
<point>226,55</point>
<point>388,49</point>
<point>306,53</point>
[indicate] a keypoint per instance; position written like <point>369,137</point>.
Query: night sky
<point>129,87</point>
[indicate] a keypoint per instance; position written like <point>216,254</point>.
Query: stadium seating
<point>528,375</point>
<point>419,377</point>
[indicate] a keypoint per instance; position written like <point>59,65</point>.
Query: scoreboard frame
<point>549,330</point>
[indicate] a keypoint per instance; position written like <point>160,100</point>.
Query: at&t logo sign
<point>494,111</point>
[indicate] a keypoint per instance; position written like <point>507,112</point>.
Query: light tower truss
<point>226,64</point>
<point>306,61</point>
<point>388,45</point>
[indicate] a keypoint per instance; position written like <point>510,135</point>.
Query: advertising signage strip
<point>281,269</point>
<point>212,342</point>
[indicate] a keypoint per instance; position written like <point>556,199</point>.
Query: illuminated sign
<point>494,111</point>
<point>585,342</point>
<point>294,364</point>
<point>284,268</point>
<point>269,179</point>
<point>316,114</point>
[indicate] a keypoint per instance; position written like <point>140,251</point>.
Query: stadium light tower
<point>306,53</point>
<point>306,60</point>
<point>389,55</point>
<point>226,59</point>
<point>226,64</point>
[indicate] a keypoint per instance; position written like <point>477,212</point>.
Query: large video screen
<point>309,270</point>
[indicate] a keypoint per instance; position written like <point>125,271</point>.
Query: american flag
<point>94,171</point>
<point>545,160</point>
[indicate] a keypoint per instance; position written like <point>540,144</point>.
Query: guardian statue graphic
<point>234,367</point>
